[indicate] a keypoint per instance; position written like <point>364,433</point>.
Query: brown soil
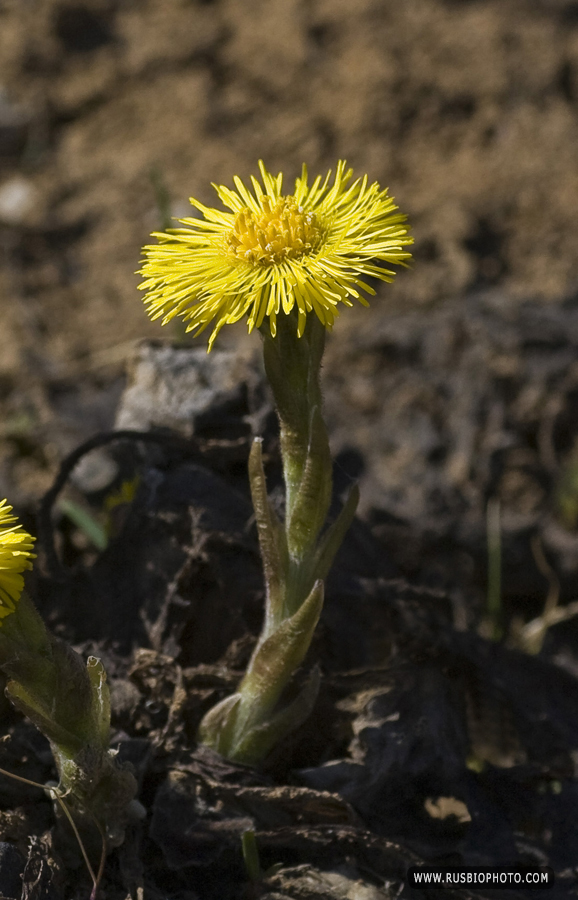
<point>459,386</point>
<point>467,110</point>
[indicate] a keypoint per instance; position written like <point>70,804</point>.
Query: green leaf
<point>217,727</point>
<point>83,520</point>
<point>100,700</point>
<point>51,678</point>
<point>272,539</point>
<point>261,739</point>
<point>333,537</point>
<point>24,632</point>
<point>251,855</point>
<point>40,715</point>
<point>274,661</point>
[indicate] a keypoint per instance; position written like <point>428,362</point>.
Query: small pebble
<point>95,472</point>
<point>16,200</point>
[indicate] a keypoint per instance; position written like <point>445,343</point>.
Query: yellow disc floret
<point>284,231</point>
<point>273,254</point>
<point>16,547</point>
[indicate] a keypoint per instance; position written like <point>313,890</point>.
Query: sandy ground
<point>466,110</point>
<point>110,109</point>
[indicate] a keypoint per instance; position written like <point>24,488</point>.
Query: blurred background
<point>460,385</point>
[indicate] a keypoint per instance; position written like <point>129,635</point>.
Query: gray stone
<point>172,386</point>
<point>17,196</point>
<point>94,472</point>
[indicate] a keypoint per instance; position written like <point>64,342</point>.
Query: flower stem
<point>292,365</point>
<point>296,561</point>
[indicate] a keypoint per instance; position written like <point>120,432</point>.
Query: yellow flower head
<point>16,547</point>
<point>274,252</point>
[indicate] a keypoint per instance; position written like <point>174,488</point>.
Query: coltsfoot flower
<point>274,252</point>
<point>16,547</point>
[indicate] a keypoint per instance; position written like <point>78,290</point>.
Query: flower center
<point>284,231</point>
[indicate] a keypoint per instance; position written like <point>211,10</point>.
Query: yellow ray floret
<point>309,250</point>
<point>16,547</point>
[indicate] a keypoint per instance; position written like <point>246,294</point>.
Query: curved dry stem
<point>56,796</point>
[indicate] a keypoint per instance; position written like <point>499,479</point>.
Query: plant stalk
<point>296,556</point>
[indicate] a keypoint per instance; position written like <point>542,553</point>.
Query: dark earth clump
<point>428,742</point>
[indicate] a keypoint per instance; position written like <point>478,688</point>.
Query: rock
<point>174,387</point>
<point>16,199</point>
<point>94,472</point>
